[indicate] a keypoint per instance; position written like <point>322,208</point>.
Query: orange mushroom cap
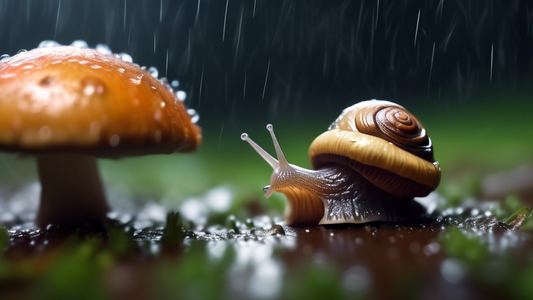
<point>68,99</point>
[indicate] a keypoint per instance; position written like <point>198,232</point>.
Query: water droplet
<point>114,140</point>
<point>83,62</point>
<point>55,62</point>
<point>174,84</point>
<point>357,279</point>
<point>244,136</point>
<point>121,70</point>
<point>436,163</point>
<point>453,270</point>
<point>48,44</point>
<point>104,49</point>
<point>79,44</point>
<point>162,104</point>
<point>195,117</point>
<point>4,57</point>
<point>181,95</point>
<point>96,66</point>
<point>28,67</point>
<point>153,71</point>
<point>153,88</point>
<point>431,249</point>
<point>125,57</point>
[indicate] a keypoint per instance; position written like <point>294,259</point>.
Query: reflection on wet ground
<point>462,253</point>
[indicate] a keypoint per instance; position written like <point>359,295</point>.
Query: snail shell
<point>385,143</point>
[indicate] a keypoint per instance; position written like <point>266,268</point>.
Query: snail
<point>370,164</point>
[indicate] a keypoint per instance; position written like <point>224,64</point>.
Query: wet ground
<point>457,253</point>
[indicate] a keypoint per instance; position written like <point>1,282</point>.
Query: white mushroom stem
<point>71,190</point>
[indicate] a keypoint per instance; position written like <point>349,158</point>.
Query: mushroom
<point>69,106</point>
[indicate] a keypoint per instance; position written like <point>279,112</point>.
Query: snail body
<point>370,164</point>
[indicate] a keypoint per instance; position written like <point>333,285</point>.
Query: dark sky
<point>284,57</point>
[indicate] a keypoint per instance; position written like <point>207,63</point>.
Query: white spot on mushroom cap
<point>45,133</point>
<point>94,128</point>
<point>158,136</point>
<point>157,114</point>
<point>114,140</point>
<point>135,81</point>
<point>88,90</point>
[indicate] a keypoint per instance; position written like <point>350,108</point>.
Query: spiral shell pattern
<point>389,121</point>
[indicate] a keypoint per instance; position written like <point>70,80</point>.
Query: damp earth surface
<point>478,250</point>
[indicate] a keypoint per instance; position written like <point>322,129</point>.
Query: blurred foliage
<point>321,280</point>
<point>503,270</point>
<point>4,238</point>
<point>76,272</point>
<point>460,188</point>
<point>173,235</point>
<point>194,275</point>
<point>465,246</point>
